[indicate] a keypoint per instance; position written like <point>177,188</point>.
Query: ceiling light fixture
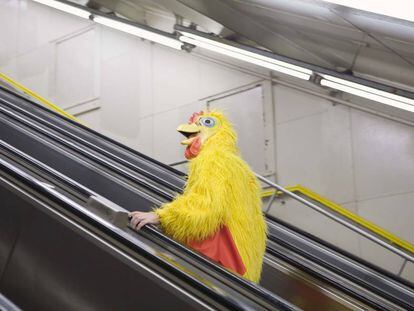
<point>139,32</point>
<point>142,32</point>
<point>368,92</point>
<point>245,55</point>
<point>65,8</point>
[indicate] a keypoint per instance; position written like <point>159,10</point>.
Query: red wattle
<point>187,153</point>
<point>194,149</point>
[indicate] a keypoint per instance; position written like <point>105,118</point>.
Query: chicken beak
<point>189,131</point>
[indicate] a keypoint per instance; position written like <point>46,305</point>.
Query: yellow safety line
<point>348,214</point>
<point>38,97</point>
<point>268,193</point>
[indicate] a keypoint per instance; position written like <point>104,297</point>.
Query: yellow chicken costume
<point>219,213</point>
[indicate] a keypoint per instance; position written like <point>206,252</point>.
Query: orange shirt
<point>221,248</point>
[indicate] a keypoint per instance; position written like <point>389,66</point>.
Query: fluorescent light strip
<point>368,95</point>
<point>65,8</point>
<point>368,89</point>
<point>139,32</point>
<point>246,58</point>
<point>247,53</point>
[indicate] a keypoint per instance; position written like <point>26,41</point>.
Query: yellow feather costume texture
<point>221,190</point>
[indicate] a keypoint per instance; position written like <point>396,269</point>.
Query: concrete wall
<point>359,160</point>
<point>137,92</point>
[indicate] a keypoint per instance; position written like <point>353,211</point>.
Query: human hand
<point>140,219</point>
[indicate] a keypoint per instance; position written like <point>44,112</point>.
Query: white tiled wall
<point>143,91</point>
<point>311,221</point>
<point>35,69</point>
<point>175,79</point>
<point>390,211</point>
<point>359,160</point>
<point>408,272</point>
<point>315,151</point>
<point>245,109</point>
<point>76,71</point>
<point>115,43</point>
<point>9,17</point>
<point>384,156</point>
<point>125,90</point>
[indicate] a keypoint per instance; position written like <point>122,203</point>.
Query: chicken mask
<point>201,128</point>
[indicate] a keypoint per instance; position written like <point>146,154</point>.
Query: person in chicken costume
<point>219,213</point>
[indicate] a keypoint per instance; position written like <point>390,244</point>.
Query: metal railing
<point>342,212</point>
<point>408,256</point>
<point>14,84</point>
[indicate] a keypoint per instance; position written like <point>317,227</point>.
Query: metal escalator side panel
<point>307,291</point>
<point>17,120</point>
<point>320,255</point>
<point>51,119</point>
<point>317,278</point>
<point>51,267</point>
<point>26,145</point>
<point>335,249</point>
<point>45,186</point>
<point>34,249</point>
<point>79,169</point>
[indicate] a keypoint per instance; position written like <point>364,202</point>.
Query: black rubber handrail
<point>152,232</point>
<point>87,154</point>
<point>76,125</point>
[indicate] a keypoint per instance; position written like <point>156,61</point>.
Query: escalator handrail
<point>61,118</point>
<point>347,214</point>
<point>93,147</point>
<point>41,99</point>
<point>104,226</point>
<point>88,154</point>
<point>347,223</point>
<point>151,230</point>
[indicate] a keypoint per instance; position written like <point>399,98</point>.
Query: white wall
<point>137,93</point>
<point>359,160</point>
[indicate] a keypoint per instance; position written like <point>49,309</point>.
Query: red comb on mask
<point>194,116</point>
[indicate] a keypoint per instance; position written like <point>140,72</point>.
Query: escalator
<point>84,164</point>
<point>62,257</point>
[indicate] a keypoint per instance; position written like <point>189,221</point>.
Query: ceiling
<point>368,45</point>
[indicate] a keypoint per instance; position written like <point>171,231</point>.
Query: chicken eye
<point>208,122</point>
